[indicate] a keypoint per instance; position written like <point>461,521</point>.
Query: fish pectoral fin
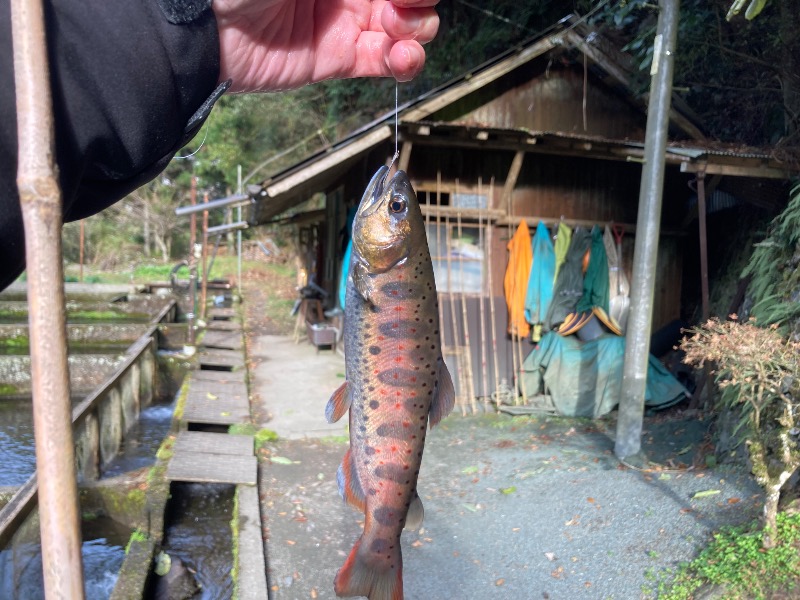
<point>339,403</point>
<point>362,281</point>
<point>349,484</point>
<point>415,515</point>
<point>444,397</point>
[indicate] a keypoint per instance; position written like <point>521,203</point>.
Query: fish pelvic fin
<point>338,404</point>
<point>444,398</point>
<point>349,484</point>
<point>415,514</point>
<point>382,580</point>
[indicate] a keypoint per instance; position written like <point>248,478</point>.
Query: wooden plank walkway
<point>215,325</point>
<point>223,340</point>
<point>221,359</point>
<point>221,458</point>
<point>222,314</point>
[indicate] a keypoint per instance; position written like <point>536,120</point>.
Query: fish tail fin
<point>383,581</point>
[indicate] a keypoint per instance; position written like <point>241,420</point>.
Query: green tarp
<point>584,379</point>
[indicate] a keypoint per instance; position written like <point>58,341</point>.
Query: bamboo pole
<point>482,298</point>
<point>41,205</point>
<point>519,384</point>
<point>204,282</point>
<point>454,322</point>
<point>470,381</point>
<point>493,323</point>
<point>442,335</point>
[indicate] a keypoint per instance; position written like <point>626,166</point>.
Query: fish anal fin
<point>445,396</point>
<point>358,577</point>
<point>349,484</point>
<point>415,515</point>
<point>338,404</point>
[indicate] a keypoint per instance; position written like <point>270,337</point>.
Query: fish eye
<point>397,205</point>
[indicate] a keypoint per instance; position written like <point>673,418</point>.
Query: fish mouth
<point>374,192</point>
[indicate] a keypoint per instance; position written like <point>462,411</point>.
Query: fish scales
<point>396,381</point>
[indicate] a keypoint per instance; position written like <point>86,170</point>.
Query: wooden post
<point>492,321</point>
<point>204,282</point>
<point>701,216</point>
<point>83,238</point>
<point>40,201</point>
<point>193,218</point>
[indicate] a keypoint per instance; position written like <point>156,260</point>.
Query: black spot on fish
<point>383,430</point>
<point>374,404</point>
<point>392,472</point>
<point>385,516</point>
<point>369,450</point>
<point>374,350</point>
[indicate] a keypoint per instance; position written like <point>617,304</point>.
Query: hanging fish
<point>396,381</point>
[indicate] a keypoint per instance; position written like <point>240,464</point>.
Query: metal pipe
<point>239,233</point>
<point>238,199</point>
<point>228,227</point>
<point>637,347</point>
<point>40,201</point>
<point>204,270</point>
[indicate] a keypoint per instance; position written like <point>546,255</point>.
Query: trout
<point>396,381</point>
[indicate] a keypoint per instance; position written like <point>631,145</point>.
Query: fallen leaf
<point>590,500</point>
<point>551,556</point>
<point>557,573</point>
<point>733,500</point>
<point>470,507</point>
<point>470,470</point>
<point>684,450</point>
<point>291,542</point>
<point>705,494</point>
<point>508,490</point>
<point>314,593</point>
<point>416,544</point>
<point>573,521</point>
<point>211,396</point>
<point>281,460</point>
<point>500,582</point>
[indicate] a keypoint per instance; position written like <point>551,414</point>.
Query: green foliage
<point>775,278</point>
<point>759,376</point>
<point>137,537</point>
<point>736,561</point>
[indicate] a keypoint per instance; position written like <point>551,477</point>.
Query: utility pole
<point>645,256</point>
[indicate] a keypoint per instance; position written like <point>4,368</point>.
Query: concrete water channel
<point>167,496</point>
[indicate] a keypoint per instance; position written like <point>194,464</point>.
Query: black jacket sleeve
<point>129,87</point>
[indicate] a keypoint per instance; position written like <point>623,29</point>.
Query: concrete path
<point>294,383</point>
<point>514,508</point>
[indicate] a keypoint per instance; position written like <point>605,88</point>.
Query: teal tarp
<point>584,379</point>
<point>595,282</point>
<point>345,273</point>
<point>540,281</point>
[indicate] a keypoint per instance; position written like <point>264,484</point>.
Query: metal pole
<point>637,348</point>
<point>239,233</point>
<point>193,222</point>
<point>40,201</point>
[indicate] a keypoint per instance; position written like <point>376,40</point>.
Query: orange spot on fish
<point>401,347</point>
<point>398,405</point>
<point>381,338</point>
<point>398,359</point>
<point>406,424</point>
<point>413,379</point>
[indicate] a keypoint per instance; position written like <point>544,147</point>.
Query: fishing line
<point>396,123</point>
<point>201,143</point>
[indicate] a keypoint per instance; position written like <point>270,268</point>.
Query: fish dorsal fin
<point>444,398</point>
<point>362,281</point>
<point>338,404</point>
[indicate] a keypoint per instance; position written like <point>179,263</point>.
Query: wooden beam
<point>701,215</point>
<point>405,156</point>
<point>761,171</point>
<point>475,82</point>
<point>513,175</point>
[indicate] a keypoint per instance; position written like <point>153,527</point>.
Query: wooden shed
<point>550,131</point>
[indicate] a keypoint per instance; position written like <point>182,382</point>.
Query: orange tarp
<point>515,283</point>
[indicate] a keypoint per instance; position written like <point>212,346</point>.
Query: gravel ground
<point>515,508</point>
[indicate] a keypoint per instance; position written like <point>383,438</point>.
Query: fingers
<point>419,23</point>
<point>406,59</point>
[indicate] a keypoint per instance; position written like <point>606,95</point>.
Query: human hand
<point>270,45</point>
